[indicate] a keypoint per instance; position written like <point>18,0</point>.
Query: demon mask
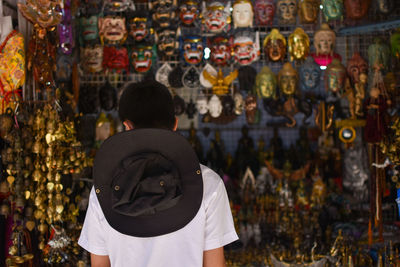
<point>189,12</point>
<point>111,6</point>
<point>112,30</point>
<point>143,57</point>
<point>246,47</point>
<point>115,58</point>
<point>164,12</point>
<point>140,27</point>
<point>220,50</point>
<point>192,49</point>
<point>167,41</point>
<point>216,16</point>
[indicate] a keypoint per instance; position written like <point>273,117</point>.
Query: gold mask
<point>299,44</point>
<point>287,79</point>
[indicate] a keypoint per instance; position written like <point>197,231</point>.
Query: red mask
<point>221,49</point>
<point>115,58</point>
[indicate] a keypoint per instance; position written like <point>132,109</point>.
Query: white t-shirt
<point>211,228</point>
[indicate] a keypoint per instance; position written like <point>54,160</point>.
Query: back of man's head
<point>147,104</point>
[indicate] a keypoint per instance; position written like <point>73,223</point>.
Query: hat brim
<point>172,146</point>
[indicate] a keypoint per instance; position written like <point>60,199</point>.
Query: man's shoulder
<point>211,179</point>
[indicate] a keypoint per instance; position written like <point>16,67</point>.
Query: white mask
<point>215,106</point>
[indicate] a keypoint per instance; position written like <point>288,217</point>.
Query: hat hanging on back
<point>146,176</point>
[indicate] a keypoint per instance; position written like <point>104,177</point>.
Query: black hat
<point>148,182</point>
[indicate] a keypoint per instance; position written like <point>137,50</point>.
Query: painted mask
<point>266,83</point>
<point>202,104</point>
<point>385,6</point>
<point>264,12</point>
<point>140,27</point>
<point>246,47</point>
<point>112,30</point>
<point>192,49</point>
<point>164,12</point>
<point>92,59</point>
<point>116,58</point>
<point>167,42</point>
<point>64,68</point>
<point>355,66</point>
<point>189,12</point>
<point>356,9</point>
<point>395,44</point>
<point>379,55</point>
<point>220,50</point>
<point>117,5</point>
<point>215,106</point>
<point>308,10</point>
<point>287,10</point>
<point>242,14</point>
<point>143,57</point>
<point>324,43</point>
<point>335,75</point>
<point>89,29</point>
<point>239,103</point>
<point>65,30</point>
<point>216,17</point>
<point>275,45</point>
<point>287,80</point>
<point>310,75</point>
<point>332,9</point>
<point>299,44</point>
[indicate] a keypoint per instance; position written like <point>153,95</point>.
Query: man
<point>152,203</point>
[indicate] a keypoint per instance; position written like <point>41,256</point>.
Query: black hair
<point>147,104</point>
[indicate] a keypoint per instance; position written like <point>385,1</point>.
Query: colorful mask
<point>275,45</point>
<point>88,29</point>
<point>356,9</point>
<point>310,75</point>
<point>92,59</point>
<point>287,80</point>
<point>308,10</point>
<point>242,14</point>
<point>189,12</point>
<point>220,83</point>
<point>115,58</point>
<point>332,9</point>
<point>215,106</point>
<point>385,6</point>
<point>112,30</point>
<point>355,66</point>
<point>395,43</point>
<point>143,57</point>
<point>287,10</point>
<point>117,5</point>
<point>166,40</point>
<point>64,68</point>
<point>65,30</point>
<point>324,42</point>
<point>299,44</point>
<point>379,55</point>
<point>140,27</point>
<point>216,17</point>
<point>266,83</point>
<point>192,49</point>
<point>164,12</point>
<point>335,75</point>
<point>264,11</point>
<point>246,47</point>
<point>220,50</point>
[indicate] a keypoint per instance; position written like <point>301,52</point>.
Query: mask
<point>286,11</point>
<point>242,14</point>
<point>117,5</point>
<point>92,59</point>
<point>266,83</point>
<point>308,10</point>
<point>166,40</point>
<point>287,80</point>
<point>188,12</point>
<point>379,55</point>
<point>310,75</point>
<point>220,50</point>
<point>395,44</point>
<point>89,31</point>
<point>356,9</point>
<point>239,103</point>
<point>164,12</point>
<point>252,114</point>
<point>65,30</point>
<point>202,104</point>
<point>116,58</point>
<point>275,45</point>
<point>355,66</point>
<point>192,49</point>
<point>143,57</point>
<point>246,48</point>
<point>385,6</point>
<point>112,30</point>
<point>216,17</point>
<point>264,12</point>
<point>299,44</point>
<point>140,27</point>
<point>215,106</point>
<point>64,68</point>
<point>332,9</point>
<point>335,75</point>
<point>324,42</point>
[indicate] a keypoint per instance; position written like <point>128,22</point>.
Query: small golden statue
<point>219,82</point>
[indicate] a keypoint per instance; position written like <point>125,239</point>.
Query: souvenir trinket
<point>266,83</point>
<point>115,58</point>
<point>332,9</point>
<point>92,59</point>
<point>286,11</point>
<point>202,104</point>
<point>335,75</point>
<point>395,44</point>
<point>310,75</point>
<point>221,48</point>
<point>355,66</point>
<point>215,106</point>
<point>275,45</point>
<point>385,6</point>
<point>264,12</point>
<point>112,30</point>
<point>379,56</point>
<point>252,113</point>
<point>239,103</point>
<point>355,173</point>
<point>242,14</point>
<point>191,78</point>
<point>211,71</point>
<point>216,16</point>
<point>163,73</point>
<point>220,83</point>
<point>287,80</point>
<point>42,13</point>
<point>65,29</point>
<point>308,10</point>
<point>114,6</point>
<point>359,93</point>
<point>89,31</point>
<point>143,57</point>
<point>189,12</point>
<point>324,43</point>
<point>139,26</point>
<point>163,12</point>
<point>356,9</point>
<point>246,47</point>
<point>299,45</point>
<point>192,49</point>
<point>167,41</point>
